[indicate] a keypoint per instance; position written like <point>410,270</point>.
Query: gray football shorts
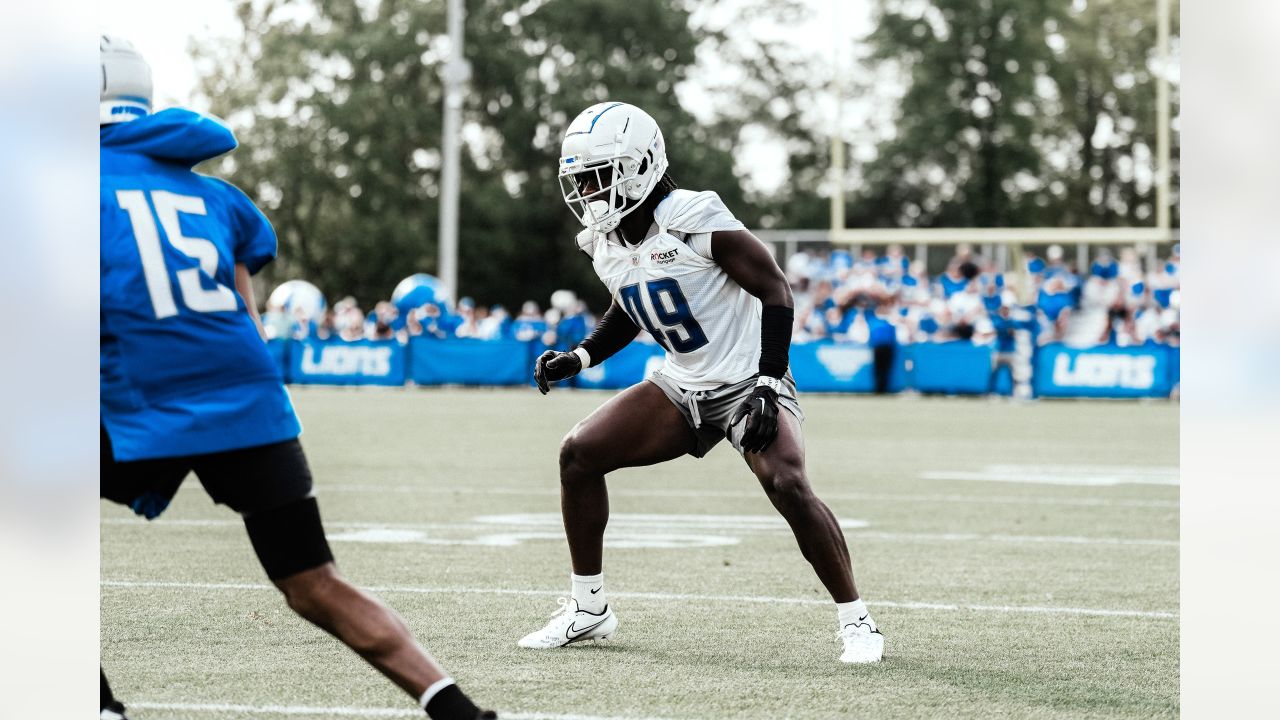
<point>708,412</point>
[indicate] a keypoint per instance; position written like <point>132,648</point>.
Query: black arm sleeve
<point>614,332</point>
<point>775,339</point>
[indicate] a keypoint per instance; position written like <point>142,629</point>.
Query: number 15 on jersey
<point>167,207</point>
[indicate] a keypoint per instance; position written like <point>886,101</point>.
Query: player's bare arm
<point>748,262</point>
<point>244,286</point>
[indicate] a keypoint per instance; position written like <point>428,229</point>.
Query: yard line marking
<point>652,521</point>
<point>351,711</point>
<point>751,495</point>
<point>972,537</point>
<point>486,527</point>
<point>676,597</point>
<point>1080,475</point>
<point>279,709</point>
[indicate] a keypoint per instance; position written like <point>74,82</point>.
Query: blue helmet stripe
<point>594,120</point>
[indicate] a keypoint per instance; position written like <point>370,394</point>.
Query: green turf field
<point>998,597</point>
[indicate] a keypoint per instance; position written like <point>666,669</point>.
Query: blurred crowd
<point>887,298</point>
<point>878,299</point>
<point>564,323</point>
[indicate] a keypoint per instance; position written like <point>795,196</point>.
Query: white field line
<point>1076,475</point>
<point>852,534</point>
<point>976,537</point>
<point>677,597</point>
<point>346,711</point>
<point>749,494</point>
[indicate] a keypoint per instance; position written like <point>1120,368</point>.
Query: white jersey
<point>672,288</point>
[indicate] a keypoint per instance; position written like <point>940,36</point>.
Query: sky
<point>162,30</point>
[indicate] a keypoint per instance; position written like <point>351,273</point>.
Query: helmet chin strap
<point>633,227</point>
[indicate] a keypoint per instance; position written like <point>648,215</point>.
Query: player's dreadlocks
<point>665,185</point>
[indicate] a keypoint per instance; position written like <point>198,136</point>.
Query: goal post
<point>1005,244</point>
<point>1008,241</point>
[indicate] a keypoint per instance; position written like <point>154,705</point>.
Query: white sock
<point>434,688</point>
<point>852,613</point>
<point>588,590</point>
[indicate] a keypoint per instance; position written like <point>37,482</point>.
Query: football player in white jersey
<point>681,267</point>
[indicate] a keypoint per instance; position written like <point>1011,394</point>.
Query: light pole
<point>456,73</point>
<point>1163,160</point>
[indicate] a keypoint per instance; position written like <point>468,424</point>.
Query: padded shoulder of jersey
<point>694,212</point>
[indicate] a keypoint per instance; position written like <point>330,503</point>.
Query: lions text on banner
<point>1104,371</point>
<point>364,362</point>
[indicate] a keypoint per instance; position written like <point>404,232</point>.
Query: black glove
<point>555,366</point>
<point>761,413</point>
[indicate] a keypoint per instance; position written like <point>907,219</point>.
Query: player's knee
<point>308,593</point>
<point>574,457</point>
<point>787,486</point>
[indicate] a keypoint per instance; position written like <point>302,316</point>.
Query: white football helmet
<point>126,82</point>
<point>612,157</point>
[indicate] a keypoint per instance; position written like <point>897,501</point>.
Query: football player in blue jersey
<point>186,381</point>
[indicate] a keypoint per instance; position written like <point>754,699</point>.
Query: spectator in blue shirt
<point>1006,323</point>
<point>528,325</point>
<point>431,321</point>
<point>572,327</point>
<point>882,336</point>
<point>957,277</point>
<point>1055,301</point>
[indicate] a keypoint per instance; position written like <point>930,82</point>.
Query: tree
<point>338,107</point>
<point>1016,112</point>
<point>1106,122</point>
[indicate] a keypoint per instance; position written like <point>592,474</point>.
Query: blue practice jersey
<point>183,369</point>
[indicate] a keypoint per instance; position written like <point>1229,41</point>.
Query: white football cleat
<point>862,643</point>
<point>571,625</point>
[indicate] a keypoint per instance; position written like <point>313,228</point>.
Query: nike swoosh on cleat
<point>569,631</point>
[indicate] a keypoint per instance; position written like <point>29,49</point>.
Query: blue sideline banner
<point>842,367</point>
<point>470,362</point>
<point>364,362</point>
<point>954,368</point>
<point>1104,371</point>
<point>631,365</point>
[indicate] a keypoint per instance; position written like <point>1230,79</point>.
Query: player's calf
<point>291,545</point>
